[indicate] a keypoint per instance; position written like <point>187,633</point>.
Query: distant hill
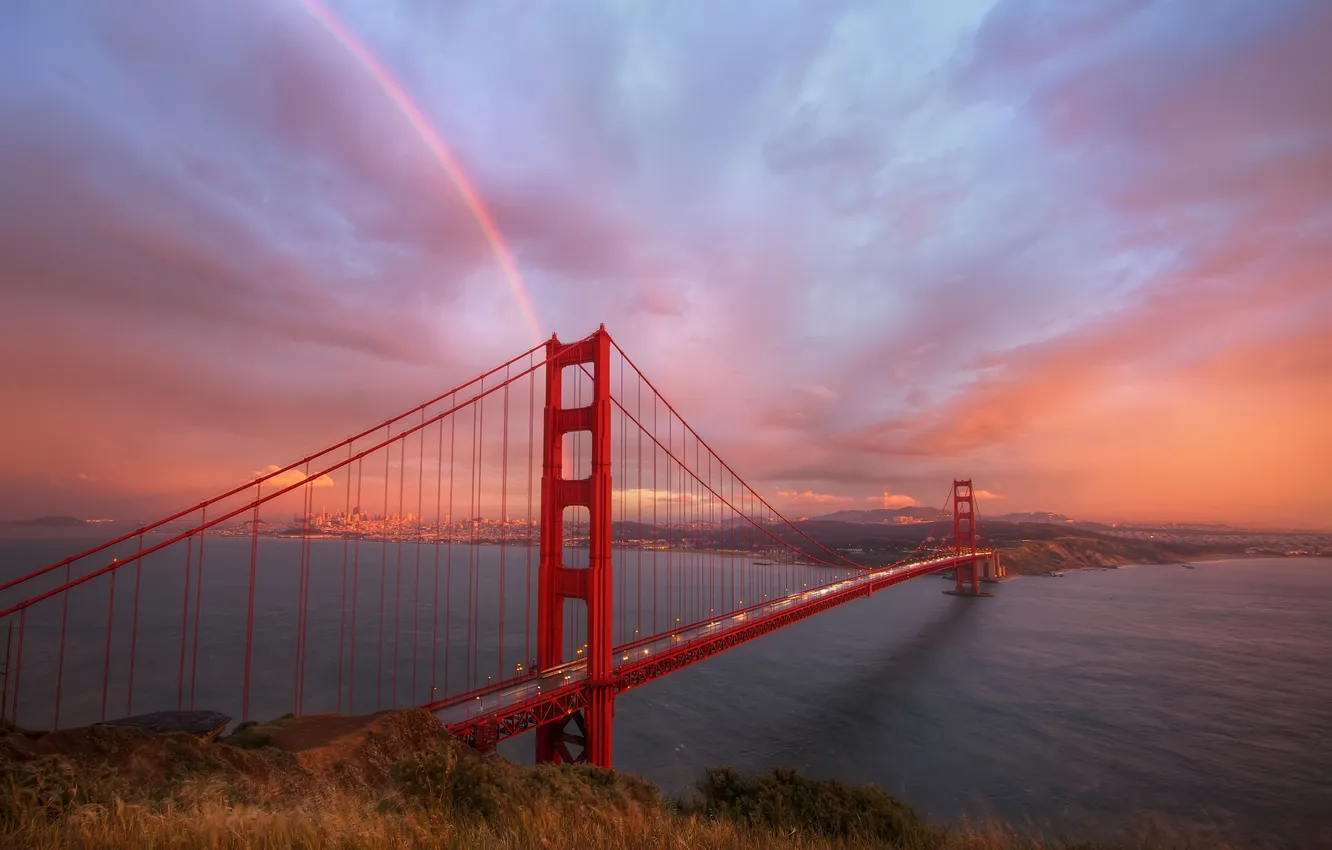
<point>1032,516</point>
<point>919,513</point>
<point>878,515</point>
<point>46,521</point>
<point>1025,547</point>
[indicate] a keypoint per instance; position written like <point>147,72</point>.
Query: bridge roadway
<point>514,706</point>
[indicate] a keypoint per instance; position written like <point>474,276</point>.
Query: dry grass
<point>397,780</point>
<point>347,825</point>
<point>222,826</point>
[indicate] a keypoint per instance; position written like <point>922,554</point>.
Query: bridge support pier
<point>553,740</point>
<point>555,581</point>
<point>600,720</point>
<point>991,569</point>
<point>967,583</point>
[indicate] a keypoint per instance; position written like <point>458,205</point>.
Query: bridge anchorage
<point>427,562</point>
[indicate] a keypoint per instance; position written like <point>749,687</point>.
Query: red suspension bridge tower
<point>592,585</point>
<point>968,573</point>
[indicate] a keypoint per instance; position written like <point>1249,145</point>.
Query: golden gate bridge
<point>651,553</point>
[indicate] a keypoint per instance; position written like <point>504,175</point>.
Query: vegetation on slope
<point>1029,557</point>
<point>397,780</point>
<point>1025,548</point>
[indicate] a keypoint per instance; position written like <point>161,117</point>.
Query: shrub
<point>482,788</point>
<point>426,778</point>
<point>784,800</point>
<point>438,779</point>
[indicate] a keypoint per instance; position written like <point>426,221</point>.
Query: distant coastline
<point>48,522</point>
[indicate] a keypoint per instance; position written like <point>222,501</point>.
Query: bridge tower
<point>555,581</point>
<point>964,540</point>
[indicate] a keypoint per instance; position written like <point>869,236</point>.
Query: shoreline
<point>1189,563</point>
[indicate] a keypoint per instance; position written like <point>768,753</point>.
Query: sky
<point>1078,252</point>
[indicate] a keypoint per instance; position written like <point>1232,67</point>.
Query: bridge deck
<point>516,705</point>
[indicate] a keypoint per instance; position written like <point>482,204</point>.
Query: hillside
<point>1025,547</point>
<point>881,515</point>
<point>1076,552</point>
<point>1033,516</point>
<point>46,522</point>
<point>396,779</point>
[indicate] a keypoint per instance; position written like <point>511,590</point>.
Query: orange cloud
<point>809,496</point>
<point>1134,418</point>
<point>288,478</point>
<point>894,500</point>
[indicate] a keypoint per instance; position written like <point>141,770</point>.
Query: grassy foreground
<point>397,780</point>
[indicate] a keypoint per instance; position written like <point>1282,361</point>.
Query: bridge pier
<point>968,581</point>
<point>553,740</point>
<point>991,569</point>
<point>555,581</point>
<point>600,720</point>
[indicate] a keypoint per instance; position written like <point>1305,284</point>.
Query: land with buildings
<point>1028,543</point>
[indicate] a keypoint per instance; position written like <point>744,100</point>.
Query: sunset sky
<point>1080,252</point>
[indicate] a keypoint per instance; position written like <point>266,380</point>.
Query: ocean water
<point>1081,703</point>
<point>1084,702</point>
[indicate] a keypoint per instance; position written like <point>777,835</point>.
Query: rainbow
<point>399,97</point>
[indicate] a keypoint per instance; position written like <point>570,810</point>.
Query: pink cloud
<point>290,477</point>
<point>891,501</point>
<point>809,496</point>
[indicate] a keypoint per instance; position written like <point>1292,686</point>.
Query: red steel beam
<point>561,702</point>
<point>520,717</point>
<point>636,673</point>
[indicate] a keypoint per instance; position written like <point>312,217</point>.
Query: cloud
<point>663,299</point>
<point>987,496</point>
<point>892,501</point>
<point>289,478</point>
<point>810,496</point>
<point>1062,249</point>
<point>820,393</point>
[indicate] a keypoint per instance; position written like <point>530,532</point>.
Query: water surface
<point>1080,701</point>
